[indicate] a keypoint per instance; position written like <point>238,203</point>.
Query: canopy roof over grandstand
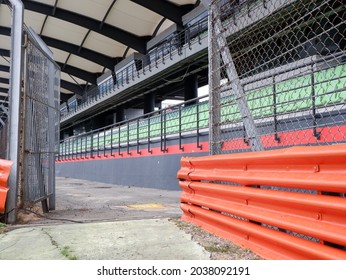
<point>88,37</point>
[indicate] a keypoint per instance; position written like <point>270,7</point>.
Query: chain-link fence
<point>3,129</point>
<point>3,140</point>
<point>29,114</point>
<point>4,81</point>
<point>277,74</point>
<point>40,121</point>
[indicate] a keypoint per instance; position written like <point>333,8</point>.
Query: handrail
<point>129,71</point>
<point>179,118</point>
<point>299,212</point>
<point>171,108</point>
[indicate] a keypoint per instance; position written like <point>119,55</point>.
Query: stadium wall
<point>141,168</point>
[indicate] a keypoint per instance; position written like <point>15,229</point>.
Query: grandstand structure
<point>121,59</point>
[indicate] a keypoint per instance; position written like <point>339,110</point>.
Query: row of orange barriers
<point>5,168</point>
<point>281,204</point>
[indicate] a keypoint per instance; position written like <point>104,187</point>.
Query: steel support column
<point>14,97</point>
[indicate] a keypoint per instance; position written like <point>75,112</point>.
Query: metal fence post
<point>15,93</point>
<point>237,88</point>
<point>214,84</point>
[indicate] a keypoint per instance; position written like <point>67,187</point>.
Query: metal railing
<point>164,50</point>
<point>284,75</point>
<point>175,122</point>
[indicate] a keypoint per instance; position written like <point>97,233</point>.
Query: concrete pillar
<point>190,88</point>
<point>149,103</point>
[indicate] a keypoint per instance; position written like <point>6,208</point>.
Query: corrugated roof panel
<point>84,64</point>
<point>59,55</point>
<point>5,42</point>
<point>34,20</point>
<point>103,44</point>
<point>4,61</point>
<point>5,16</point>
<point>5,74</point>
<point>91,8</point>
<point>64,31</point>
<point>48,2</point>
<point>133,18</point>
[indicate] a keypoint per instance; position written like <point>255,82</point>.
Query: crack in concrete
<point>65,251</point>
<point>52,241</point>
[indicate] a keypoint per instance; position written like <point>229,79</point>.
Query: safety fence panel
<point>3,139</point>
<point>277,74</point>
<point>40,124</point>
<point>5,168</point>
<point>4,81</point>
<point>222,194</point>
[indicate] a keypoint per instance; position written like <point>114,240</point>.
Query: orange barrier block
<point>268,243</point>
<point>300,214</point>
<point>314,168</point>
<point>5,168</point>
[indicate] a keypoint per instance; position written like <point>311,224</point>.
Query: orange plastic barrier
<point>292,221</point>
<point>5,168</point>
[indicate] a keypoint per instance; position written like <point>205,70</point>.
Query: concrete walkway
<point>152,239</point>
<point>96,221</point>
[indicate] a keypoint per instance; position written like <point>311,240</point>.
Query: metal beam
<point>4,68</point>
<point>165,8</point>
<point>3,90</point>
<point>5,31</point>
<point>101,59</point>
<point>135,42</point>
<point>71,87</point>
<point>96,57</point>
<point>79,73</point>
<point>4,52</point>
<point>4,81</point>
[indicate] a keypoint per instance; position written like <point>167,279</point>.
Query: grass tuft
<point>66,252</point>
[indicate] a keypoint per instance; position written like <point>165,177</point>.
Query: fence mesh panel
<point>4,83</point>
<point>41,122</point>
<point>4,112</point>
<point>3,136</point>
<point>289,74</point>
<point>277,76</point>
